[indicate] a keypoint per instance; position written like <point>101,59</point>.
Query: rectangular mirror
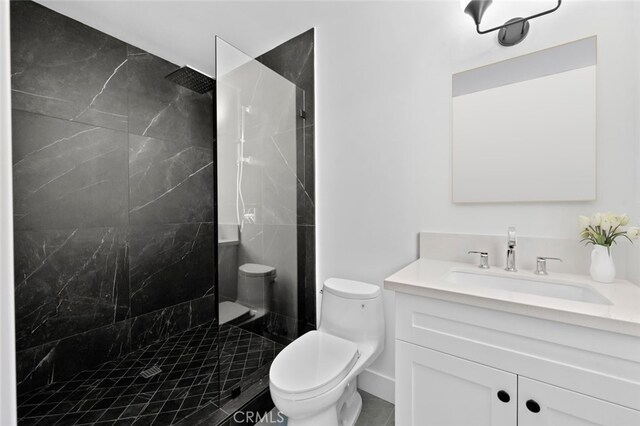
<point>524,129</point>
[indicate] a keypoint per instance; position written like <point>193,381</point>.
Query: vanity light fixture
<point>512,32</point>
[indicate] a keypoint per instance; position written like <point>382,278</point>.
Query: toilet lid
<point>312,365</point>
<point>256,270</point>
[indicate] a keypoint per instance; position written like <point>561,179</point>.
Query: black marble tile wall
<point>165,177</point>
<point>294,60</point>
<point>170,264</point>
<point>69,281</point>
<point>62,68</point>
<point>164,323</point>
<point>56,360</point>
<point>67,174</point>
<point>170,146</point>
<point>113,197</point>
<point>228,272</point>
<point>161,109</point>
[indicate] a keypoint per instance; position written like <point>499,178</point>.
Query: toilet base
<point>348,406</point>
<point>351,410</point>
<point>328,417</point>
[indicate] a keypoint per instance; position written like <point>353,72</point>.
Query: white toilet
<point>313,380</point>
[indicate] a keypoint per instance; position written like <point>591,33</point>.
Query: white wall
<point>618,93</point>
<point>7,335</point>
<point>617,81</point>
<point>383,75</point>
<point>633,272</point>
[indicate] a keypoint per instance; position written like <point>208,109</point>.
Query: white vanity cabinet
<point>459,364</point>
<point>433,388</point>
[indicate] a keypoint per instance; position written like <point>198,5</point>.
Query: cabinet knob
<point>503,396</point>
<point>533,406</point>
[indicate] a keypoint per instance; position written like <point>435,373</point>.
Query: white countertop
<point>426,277</point>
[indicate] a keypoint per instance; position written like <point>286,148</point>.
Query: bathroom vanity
<point>490,347</point>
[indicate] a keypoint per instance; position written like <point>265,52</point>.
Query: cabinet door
<point>436,389</point>
<point>562,407</point>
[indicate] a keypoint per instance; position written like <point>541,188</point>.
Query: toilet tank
<point>352,310</point>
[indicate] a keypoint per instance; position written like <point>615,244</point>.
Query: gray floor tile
<point>392,418</point>
<point>375,412</point>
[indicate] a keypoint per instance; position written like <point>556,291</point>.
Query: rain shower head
<point>192,79</point>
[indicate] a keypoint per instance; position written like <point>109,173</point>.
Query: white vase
<point>602,267</point>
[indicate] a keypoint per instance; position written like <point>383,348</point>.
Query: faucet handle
<point>484,258</point>
<point>511,235</point>
<point>541,264</point>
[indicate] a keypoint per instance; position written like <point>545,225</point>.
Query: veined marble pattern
<point>59,359</point>
<point>68,282</point>
<point>199,369</point>
<point>67,174</point>
<point>279,172</point>
<point>161,109</point>
<point>264,105</point>
<point>294,60</point>
<point>65,69</point>
<point>164,323</point>
<point>79,96</point>
<point>278,179</point>
<point>170,264</point>
<point>169,182</point>
<point>309,165</point>
<point>306,180</point>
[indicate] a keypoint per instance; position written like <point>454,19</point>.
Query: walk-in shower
<point>261,194</point>
<point>123,238</point>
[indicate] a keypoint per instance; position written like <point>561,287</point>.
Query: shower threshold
<point>201,370</point>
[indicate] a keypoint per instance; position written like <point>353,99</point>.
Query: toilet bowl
<point>313,381</point>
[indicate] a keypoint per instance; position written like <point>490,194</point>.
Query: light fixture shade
<point>477,8</point>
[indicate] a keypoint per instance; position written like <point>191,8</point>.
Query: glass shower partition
<point>258,147</point>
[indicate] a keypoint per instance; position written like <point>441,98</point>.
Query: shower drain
<point>150,372</point>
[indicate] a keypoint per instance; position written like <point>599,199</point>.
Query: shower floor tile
<point>199,368</point>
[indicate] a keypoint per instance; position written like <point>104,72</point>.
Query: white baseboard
<point>378,385</point>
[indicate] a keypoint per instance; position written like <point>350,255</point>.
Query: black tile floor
<point>196,372</point>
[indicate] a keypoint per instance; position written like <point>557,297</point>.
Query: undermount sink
<point>529,285</point>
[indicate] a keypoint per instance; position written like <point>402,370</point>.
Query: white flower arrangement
<point>603,228</point>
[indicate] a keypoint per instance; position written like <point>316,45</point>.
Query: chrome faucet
<point>511,250</point>
<point>484,259</point>
<point>541,264</point>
